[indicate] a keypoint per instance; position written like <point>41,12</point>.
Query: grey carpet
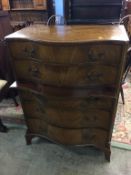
<point>45,158</point>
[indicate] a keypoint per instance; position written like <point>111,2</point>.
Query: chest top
<point>71,34</point>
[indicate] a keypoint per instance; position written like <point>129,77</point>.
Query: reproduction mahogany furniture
<point>23,12</point>
<point>69,81</point>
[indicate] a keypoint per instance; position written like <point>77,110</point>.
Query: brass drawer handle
<point>29,53</point>
<point>92,137</point>
<point>91,118</point>
<point>94,77</point>
<point>89,136</point>
<point>25,51</point>
<point>93,58</point>
<point>40,109</point>
<point>94,118</point>
<point>90,100</point>
<point>34,71</point>
<point>32,53</point>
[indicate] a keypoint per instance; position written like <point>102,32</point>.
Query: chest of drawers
<point>69,80</point>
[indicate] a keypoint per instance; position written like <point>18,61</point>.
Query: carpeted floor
<point>122,127</point>
<point>45,158</point>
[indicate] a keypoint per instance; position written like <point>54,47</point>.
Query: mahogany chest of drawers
<point>69,79</point>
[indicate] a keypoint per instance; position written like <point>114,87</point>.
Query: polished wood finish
<point>69,80</point>
<point>26,12</point>
<point>23,5</point>
<point>72,34</point>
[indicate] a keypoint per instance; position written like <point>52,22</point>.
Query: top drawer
<point>109,54</point>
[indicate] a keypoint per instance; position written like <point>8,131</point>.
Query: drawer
<point>68,118</point>
<point>77,103</point>
<point>99,102</point>
<point>90,74</point>
<point>74,116</point>
<point>23,49</point>
<point>103,53</point>
<point>78,136</point>
<point>78,119</point>
<point>66,136</point>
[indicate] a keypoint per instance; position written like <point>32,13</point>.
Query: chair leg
<point>13,92</point>
<point>125,74</point>
<point>12,95</point>
<point>122,95</point>
<point>15,101</point>
<point>2,127</point>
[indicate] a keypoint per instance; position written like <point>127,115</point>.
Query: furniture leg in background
<point>3,91</point>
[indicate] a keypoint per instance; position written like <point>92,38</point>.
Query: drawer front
<point>21,49</point>
<point>109,54</point>
<point>68,136</point>
<point>75,116</point>
<point>97,102</point>
<point>78,103</point>
<point>66,75</point>
<point>68,118</point>
<point>78,119</point>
